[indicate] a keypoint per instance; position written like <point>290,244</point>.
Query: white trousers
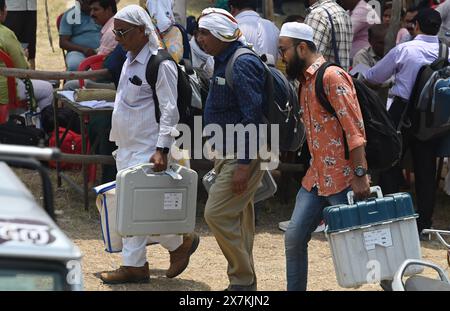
<point>43,92</point>
<point>134,252</point>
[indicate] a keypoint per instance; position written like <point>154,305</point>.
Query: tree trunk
<point>268,9</point>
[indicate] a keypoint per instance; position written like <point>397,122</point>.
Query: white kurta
<point>134,128</point>
<point>137,134</point>
<point>260,32</point>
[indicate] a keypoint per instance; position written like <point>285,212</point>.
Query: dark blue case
<point>371,211</point>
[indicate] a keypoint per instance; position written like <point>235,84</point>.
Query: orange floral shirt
<point>330,172</point>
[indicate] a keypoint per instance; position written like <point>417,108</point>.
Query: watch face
<point>360,171</point>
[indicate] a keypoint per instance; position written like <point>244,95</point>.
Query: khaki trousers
<point>231,218</point>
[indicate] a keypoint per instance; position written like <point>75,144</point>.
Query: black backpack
<point>281,103</point>
<point>384,141</point>
<point>14,132</point>
<point>184,98</point>
<point>429,109</point>
<point>66,118</point>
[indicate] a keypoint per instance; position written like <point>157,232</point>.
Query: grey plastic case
<point>150,203</point>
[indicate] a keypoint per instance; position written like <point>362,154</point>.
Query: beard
<point>295,67</point>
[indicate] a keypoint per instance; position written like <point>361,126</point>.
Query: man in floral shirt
<point>330,175</point>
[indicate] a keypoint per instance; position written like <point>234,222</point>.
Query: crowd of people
<point>337,31</point>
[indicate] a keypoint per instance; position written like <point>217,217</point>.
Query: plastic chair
<point>13,101</point>
<point>94,62</point>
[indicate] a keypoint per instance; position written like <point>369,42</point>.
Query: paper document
<point>97,104</point>
<point>381,237</point>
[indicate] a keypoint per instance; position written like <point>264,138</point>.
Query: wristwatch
<point>164,150</point>
<point>360,171</point>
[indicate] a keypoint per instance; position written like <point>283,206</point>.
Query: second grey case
<point>266,189</point>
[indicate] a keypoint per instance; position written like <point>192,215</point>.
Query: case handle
<point>374,189</point>
<point>146,167</point>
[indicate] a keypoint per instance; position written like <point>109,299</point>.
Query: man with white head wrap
<point>229,209</point>
<point>200,59</point>
<point>140,138</point>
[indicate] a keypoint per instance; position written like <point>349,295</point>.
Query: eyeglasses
<point>283,51</point>
<point>121,33</point>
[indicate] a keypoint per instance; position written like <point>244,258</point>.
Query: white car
<point>34,253</point>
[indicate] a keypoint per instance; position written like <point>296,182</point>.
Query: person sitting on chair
<point>43,90</point>
<point>78,34</point>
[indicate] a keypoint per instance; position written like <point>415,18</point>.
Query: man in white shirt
<point>141,139</point>
<point>261,33</point>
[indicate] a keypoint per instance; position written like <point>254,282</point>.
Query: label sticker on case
<point>381,237</point>
<point>173,201</point>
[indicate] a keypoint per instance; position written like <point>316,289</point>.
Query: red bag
<point>72,144</point>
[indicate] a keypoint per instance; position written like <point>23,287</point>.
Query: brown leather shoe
<point>179,258</point>
<point>126,275</point>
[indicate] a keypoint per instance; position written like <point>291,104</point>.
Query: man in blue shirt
<point>78,34</point>
<point>229,209</point>
<point>404,61</point>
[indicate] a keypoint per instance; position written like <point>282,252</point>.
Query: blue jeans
<point>306,217</point>
<point>73,60</point>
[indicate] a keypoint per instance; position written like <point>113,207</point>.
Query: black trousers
<point>99,128</point>
<point>424,165</point>
<point>24,25</point>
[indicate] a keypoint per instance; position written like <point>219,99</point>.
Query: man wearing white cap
<point>229,209</point>
<point>330,175</point>
<point>141,139</point>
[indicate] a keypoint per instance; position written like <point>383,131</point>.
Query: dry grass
<point>207,270</point>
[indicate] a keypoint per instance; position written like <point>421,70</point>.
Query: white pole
<point>179,9</point>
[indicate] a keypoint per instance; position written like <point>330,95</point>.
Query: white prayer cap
<point>136,15</point>
<point>297,30</point>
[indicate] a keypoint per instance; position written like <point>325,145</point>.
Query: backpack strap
<point>229,68</point>
<point>443,52</point>
<point>269,87</point>
<point>323,100</point>
<point>320,91</point>
<point>151,74</point>
<point>333,40</point>
<point>442,60</point>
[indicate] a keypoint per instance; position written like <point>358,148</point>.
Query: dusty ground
<point>207,270</point>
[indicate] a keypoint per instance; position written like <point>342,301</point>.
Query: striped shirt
<point>318,20</point>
